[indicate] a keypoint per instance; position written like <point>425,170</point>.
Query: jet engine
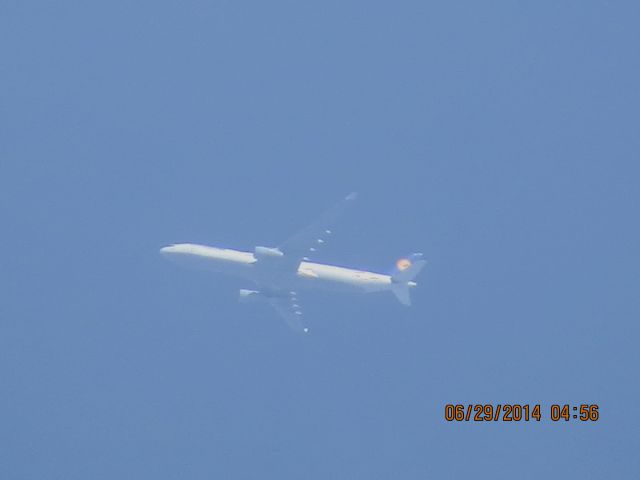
<point>266,253</point>
<point>246,296</point>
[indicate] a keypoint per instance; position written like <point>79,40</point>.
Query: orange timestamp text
<point>519,412</point>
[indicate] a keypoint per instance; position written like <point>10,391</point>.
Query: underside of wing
<point>307,241</point>
<point>285,303</point>
<point>288,308</point>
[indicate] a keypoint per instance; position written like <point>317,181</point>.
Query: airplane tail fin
<point>406,269</point>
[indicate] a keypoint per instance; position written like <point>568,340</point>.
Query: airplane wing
<point>307,241</point>
<point>286,259</point>
<point>288,308</point>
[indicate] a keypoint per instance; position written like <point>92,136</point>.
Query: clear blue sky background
<point>499,138</point>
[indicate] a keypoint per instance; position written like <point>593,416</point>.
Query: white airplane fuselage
<point>309,275</point>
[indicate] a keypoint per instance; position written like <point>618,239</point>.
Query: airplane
<point>280,272</point>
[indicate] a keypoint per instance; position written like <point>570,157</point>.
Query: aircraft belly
<point>341,279</point>
<point>294,281</point>
<point>330,281</point>
<point>327,284</point>
<point>210,263</point>
<point>309,276</point>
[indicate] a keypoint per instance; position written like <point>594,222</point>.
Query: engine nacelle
<point>246,296</point>
<point>266,253</point>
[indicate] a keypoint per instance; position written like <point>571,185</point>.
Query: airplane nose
<point>166,250</point>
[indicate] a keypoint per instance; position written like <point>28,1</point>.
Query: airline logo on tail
<point>406,268</point>
<point>403,264</point>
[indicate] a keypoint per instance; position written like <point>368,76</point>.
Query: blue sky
<point>499,139</point>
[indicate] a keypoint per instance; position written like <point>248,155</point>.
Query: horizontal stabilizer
<point>401,291</point>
